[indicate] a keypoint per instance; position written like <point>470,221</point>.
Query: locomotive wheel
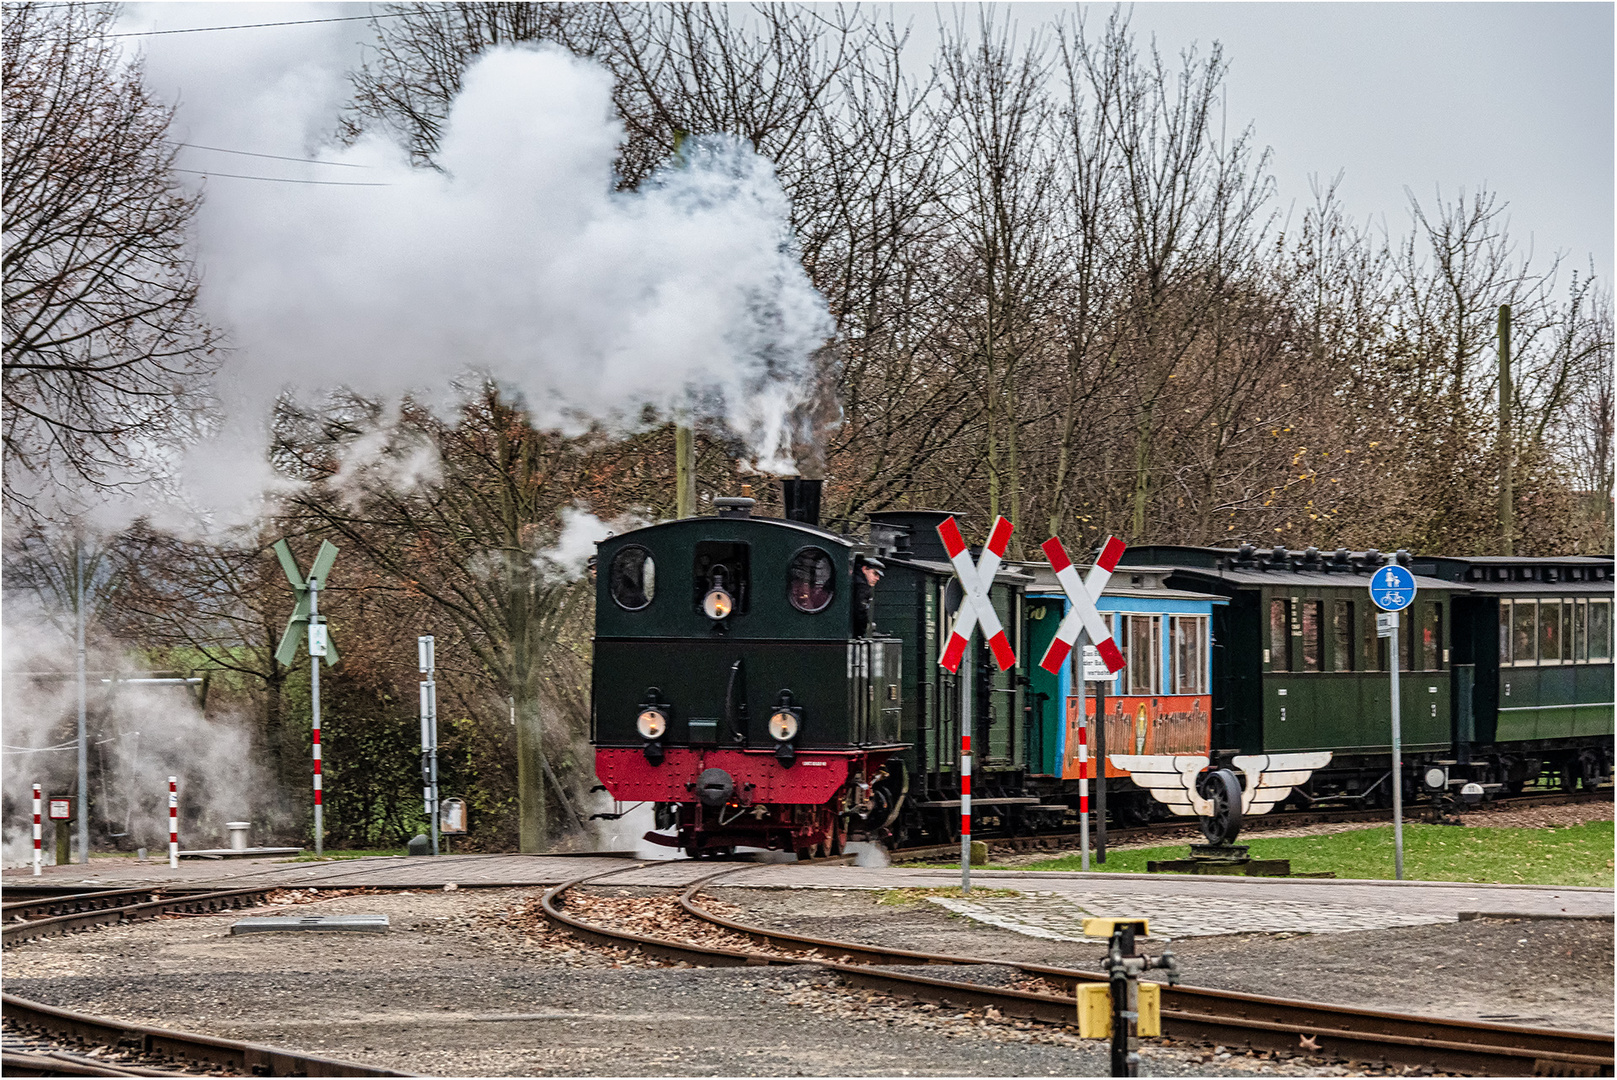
<point>839,838</point>
<point>1225,792</point>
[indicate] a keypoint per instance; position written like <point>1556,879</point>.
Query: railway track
<point>1170,831</point>
<point>27,920</point>
<point>137,1049</point>
<point>195,1053</point>
<point>1189,1013</point>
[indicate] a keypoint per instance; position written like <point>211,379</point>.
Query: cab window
<point>810,580</point>
<point>721,565</point>
<point>633,579</point>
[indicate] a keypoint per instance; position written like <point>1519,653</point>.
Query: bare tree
<point>422,50</point>
<point>104,347</point>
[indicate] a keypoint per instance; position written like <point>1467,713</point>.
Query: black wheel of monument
<point>1224,790</point>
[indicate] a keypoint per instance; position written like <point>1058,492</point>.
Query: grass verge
<point>1571,855</point>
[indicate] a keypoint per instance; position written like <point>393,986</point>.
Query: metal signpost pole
<point>1392,589</point>
<point>1100,773</point>
<point>429,732</point>
<point>84,743</point>
<point>432,702</point>
<point>1397,759</point>
<point>316,651</point>
<point>1083,758</point>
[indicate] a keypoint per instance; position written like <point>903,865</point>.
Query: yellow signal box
<point>1103,928</point>
<point>1095,1008</point>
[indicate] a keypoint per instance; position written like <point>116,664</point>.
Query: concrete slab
<point>350,924</point>
<point>242,853</point>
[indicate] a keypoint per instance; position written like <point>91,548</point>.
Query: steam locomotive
<point>766,682</point>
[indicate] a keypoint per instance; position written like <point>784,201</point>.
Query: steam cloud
<point>519,261</point>
<point>139,736</point>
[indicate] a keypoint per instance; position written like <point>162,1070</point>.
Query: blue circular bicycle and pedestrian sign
<point>1392,588</point>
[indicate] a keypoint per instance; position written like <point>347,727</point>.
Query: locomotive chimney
<point>802,500</point>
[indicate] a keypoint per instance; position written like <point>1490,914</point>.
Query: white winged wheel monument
<point>1220,798</point>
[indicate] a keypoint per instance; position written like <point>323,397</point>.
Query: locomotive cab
<point>730,688</point>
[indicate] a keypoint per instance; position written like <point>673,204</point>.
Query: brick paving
<point>1053,904</point>
<point>1060,915</point>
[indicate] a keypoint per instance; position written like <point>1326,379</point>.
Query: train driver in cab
<point>866,573</point>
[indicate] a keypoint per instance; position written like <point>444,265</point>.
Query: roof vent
<point>734,506</point>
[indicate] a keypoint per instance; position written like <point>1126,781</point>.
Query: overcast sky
<point>1424,97</point>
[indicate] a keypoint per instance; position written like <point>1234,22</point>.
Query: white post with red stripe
<point>965,813</point>
<point>38,833</point>
<point>1083,620</point>
<point>174,822</point>
<point>317,652</point>
<point>976,609</point>
<point>1083,777</point>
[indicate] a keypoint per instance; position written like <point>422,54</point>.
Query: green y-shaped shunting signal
<point>298,623</point>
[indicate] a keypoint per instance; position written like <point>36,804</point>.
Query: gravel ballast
<point>469,984</point>
<point>1544,973</point>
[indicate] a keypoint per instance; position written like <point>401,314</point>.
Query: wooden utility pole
<point>684,470</point>
<point>1507,507</point>
<point>684,434</point>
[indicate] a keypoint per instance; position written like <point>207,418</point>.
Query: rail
<point>205,1051</point>
<point>89,914</point>
<point>1192,1013</point>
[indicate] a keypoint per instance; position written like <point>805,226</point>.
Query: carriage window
<point>1504,632</point>
<point>1523,632</point>
<point>1312,630</point>
<point>1189,636</point>
<point>1580,631</point>
<point>634,578</point>
<point>1342,635</point>
<point>1600,631</point>
<point>1279,636</point>
<point>809,580</point>
<point>1431,636</point>
<point>1375,646</point>
<point>1549,631</point>
<point>1142,652</point>
<point>721,565</point>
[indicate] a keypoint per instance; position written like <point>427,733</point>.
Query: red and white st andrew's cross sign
<point>1082,595</point>
<point>976,607</point>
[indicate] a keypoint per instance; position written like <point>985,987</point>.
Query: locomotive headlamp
<point>717,604</point>
<point>783,725</point>
<point>651,723</point>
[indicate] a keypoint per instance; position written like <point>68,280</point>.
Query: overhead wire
<point>273,157</point>
<point>282,179</point>
<point>257,26</point>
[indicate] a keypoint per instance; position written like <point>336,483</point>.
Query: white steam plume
<point>519,261</point>
<point>139,736</point>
